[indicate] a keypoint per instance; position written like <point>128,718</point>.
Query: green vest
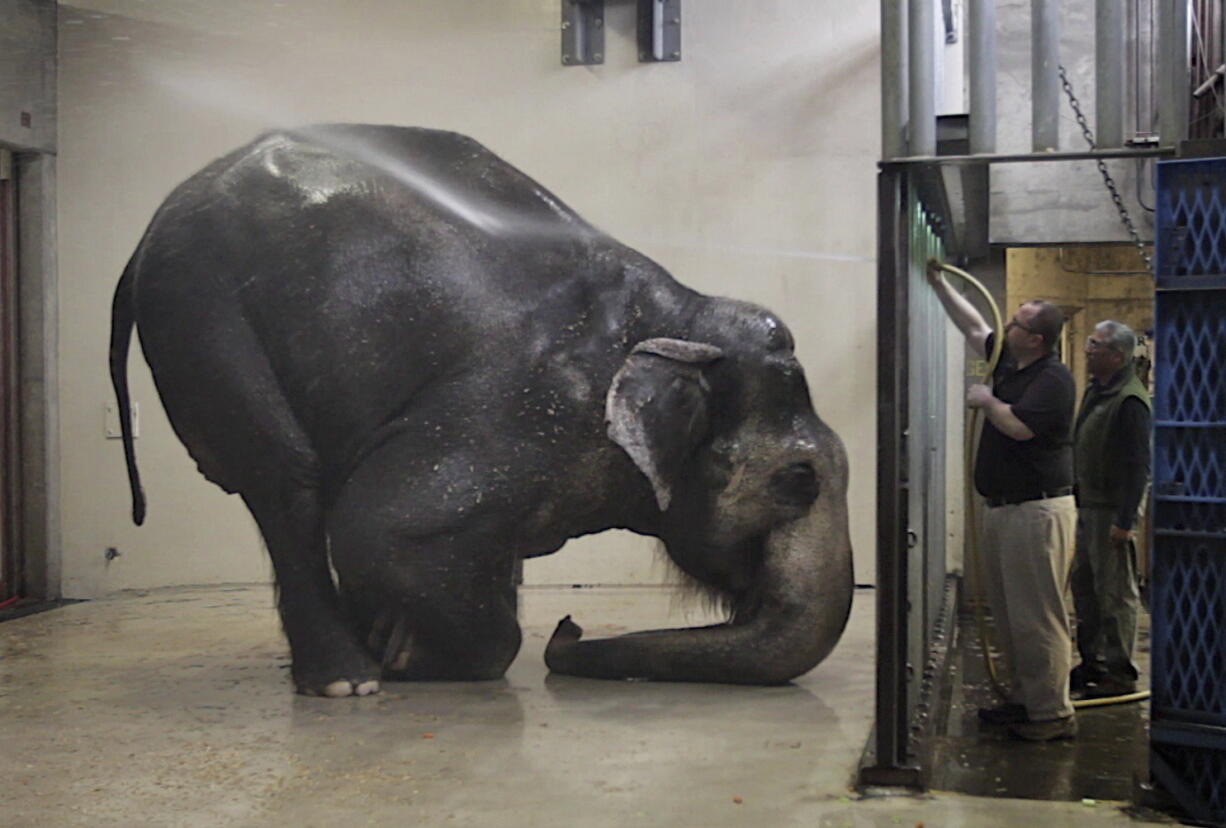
<point>1091,450</point>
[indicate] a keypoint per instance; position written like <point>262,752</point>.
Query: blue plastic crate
<point>1197,774</point>
<point>1190,517</point>
<point>1190,462</point>
<point>1190,345</point>
<point>1191,218</point>
<point>1188,594</point>
<point>1188,600</point>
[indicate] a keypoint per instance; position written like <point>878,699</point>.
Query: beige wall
<point>1090,282</point>
<point>747,169</point>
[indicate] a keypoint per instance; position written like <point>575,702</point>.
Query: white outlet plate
<point>112,421</point>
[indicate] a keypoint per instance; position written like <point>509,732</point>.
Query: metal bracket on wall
<point>659,30</point>
<point>582,32</point>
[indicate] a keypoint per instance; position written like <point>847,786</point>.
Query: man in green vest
<point>1112,462</point>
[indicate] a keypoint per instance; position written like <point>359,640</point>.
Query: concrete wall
<point>747,169</point>
<point>1060,202</point>
<point>27,74</point>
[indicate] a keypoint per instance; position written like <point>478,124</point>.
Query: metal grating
<point>1189,462</point>
<point>1199,774</point>
<point>1188,516</point>
<point>1189,650</point>
<point>1187,748</point>
<point>1193,336</point>
<point>1193,205</point>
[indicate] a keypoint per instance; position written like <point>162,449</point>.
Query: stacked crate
<point>1188,732</point>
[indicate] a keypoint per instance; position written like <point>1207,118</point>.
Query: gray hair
<point>1120,337</point>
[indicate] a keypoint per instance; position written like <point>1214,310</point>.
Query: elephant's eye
<point>795,485</point>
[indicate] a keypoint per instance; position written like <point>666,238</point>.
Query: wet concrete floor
<point>173,708</point>
<point>1103,762</point>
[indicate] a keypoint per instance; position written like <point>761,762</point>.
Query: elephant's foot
<point>335,688</point>
<point>345,671</point>
<point>344,687</point>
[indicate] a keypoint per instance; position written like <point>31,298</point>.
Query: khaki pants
<point>1027,552</point>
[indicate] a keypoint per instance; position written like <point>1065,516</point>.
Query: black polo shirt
<point>1042,395</point>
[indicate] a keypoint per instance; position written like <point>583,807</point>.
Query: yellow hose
<point>972,539</point>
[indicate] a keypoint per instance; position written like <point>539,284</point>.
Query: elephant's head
<point>752,489</point>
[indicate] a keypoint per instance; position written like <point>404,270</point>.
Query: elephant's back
<point>349,253</point>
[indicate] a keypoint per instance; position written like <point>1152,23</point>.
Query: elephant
<point>417,367</point>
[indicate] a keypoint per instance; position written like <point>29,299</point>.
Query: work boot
<point>1008,713</point>
<point>1045,731</point>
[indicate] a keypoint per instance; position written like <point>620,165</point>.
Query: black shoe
<point>1082,676</point>
<point>1045,731</point>
<point>1009,713</point>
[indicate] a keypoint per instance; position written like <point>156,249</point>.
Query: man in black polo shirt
<point>1024,470</point>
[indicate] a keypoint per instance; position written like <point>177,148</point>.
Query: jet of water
<point>484,215</point>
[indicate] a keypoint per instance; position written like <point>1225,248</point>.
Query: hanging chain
<point>1107,179</point>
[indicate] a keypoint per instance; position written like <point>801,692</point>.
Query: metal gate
<point>1188,727</point>
<point>914,597</point>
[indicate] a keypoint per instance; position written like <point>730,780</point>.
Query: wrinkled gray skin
<point>422,403</point>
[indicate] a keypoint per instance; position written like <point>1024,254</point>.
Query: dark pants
<point>1106,597</point>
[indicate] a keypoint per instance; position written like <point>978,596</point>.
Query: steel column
<point>981,28</point>
<point>1109,73</point>
<point>893,79</point>
<point>1044,77</point>
<point>891,760</point>
<point>1173,82</point>
<point>921,50</point>
<point>981,45</point>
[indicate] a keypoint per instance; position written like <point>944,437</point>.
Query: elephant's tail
<point>122,321</point>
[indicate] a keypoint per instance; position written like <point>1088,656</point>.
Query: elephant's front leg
<point>430,621</point>
<point>432,590</point>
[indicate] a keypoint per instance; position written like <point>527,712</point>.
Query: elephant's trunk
<point>796,613</point>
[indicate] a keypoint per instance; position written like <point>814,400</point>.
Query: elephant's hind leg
<point>224,401</point>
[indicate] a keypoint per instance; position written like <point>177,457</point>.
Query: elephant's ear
<point>657,407</point>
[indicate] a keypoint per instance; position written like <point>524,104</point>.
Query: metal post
<point>921,66</point>
<point>891,766</point>
<point>1044,77</point>
<point>893,79</point>
<point>982,44</point>
<point>1109,73</point>
<point>1173,83</point>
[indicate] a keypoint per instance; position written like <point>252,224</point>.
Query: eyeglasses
<point>1014,323</point>
<point>1098,345</point>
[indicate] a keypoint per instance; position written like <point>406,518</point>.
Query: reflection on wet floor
<point>1111,747</point>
